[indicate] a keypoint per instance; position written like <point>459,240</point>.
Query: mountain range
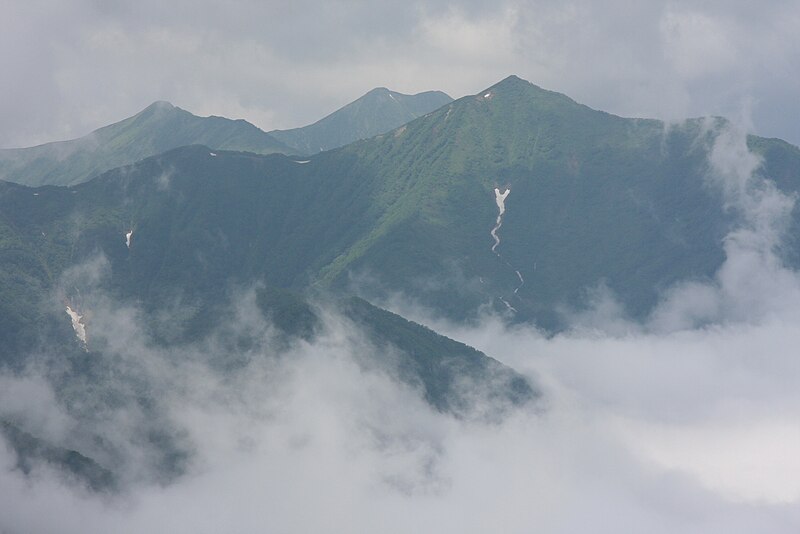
<point>591,199</point>
<point>162,126</point>
<point>515,200</point>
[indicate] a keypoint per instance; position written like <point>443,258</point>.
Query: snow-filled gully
<point>500,200</point>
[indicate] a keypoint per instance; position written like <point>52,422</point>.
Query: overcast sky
<point>69,67</point>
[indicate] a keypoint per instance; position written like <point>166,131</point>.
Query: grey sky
<point>70,67</point>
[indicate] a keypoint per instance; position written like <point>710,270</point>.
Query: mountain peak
<point>376,112</point>
<point>513,83</point>
<point>160,104</point>
<point>513,79</point>
<point>515,89</point>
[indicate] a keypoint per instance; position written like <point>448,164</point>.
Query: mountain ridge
<point>412,211</point>
<point>378,111</point>
<point>162,126</point>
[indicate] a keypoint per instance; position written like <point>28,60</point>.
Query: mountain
<point>593,199</point>
<point>190,226</point>
<point>377,112</point>
<point>159,127</point>
<point>516,198</point>
<point>439,365</point>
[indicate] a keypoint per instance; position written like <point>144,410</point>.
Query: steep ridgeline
<point>158,128</point>
<point>375,113</point>
<point>161,127</point>
<point>588,198</point>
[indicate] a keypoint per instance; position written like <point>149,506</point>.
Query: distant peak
<point>158,105</point>
<point>512,81</point>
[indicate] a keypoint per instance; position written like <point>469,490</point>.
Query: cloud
<point>690,432</point>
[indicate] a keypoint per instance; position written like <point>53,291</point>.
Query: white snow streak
<point>509,306</point>
<point>77,325</point>
<point>521,282</point>
<point>500,200</point>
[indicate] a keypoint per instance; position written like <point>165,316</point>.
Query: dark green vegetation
<point>375,113</point>
<point>162,127</point>
<point>456,369</point>
<point>31,449</point>
<point>405,347</point>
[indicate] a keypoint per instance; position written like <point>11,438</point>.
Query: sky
<point>71,67</point>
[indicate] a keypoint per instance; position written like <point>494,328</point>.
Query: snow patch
<point>500,200</point>
<point>521,282</point>
<point>77,325</point>
<point>509,306</point>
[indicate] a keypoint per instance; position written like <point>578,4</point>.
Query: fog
<point>683,422</point>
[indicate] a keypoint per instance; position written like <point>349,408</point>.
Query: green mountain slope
<point>377,112</point>
<point>158,128</point>
<point>440,366</point>
<point>594,199</point>
<point>161,127</point>
<point>201,226</point>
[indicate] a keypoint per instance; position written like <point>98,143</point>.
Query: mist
<point>683,422</point>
